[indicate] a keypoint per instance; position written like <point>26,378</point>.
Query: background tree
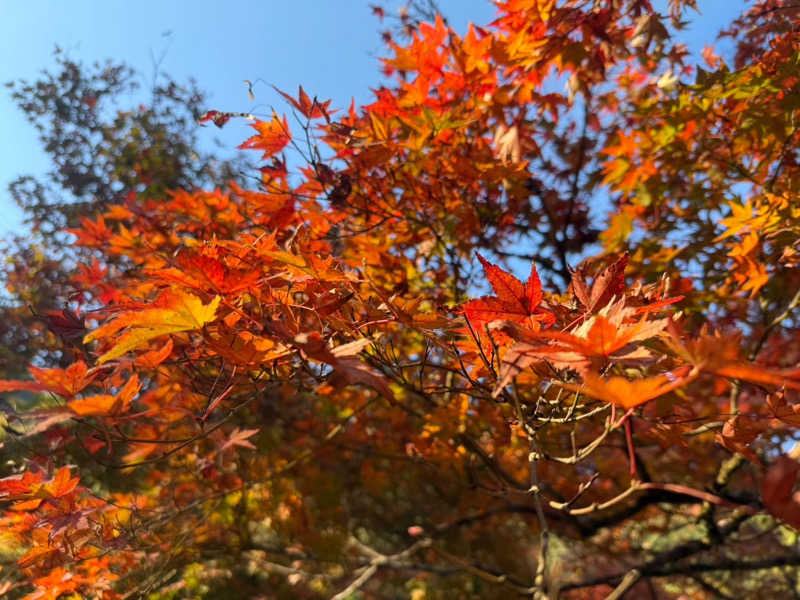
<point>290,393</point>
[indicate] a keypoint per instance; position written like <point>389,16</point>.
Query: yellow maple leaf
<point>739,220</point>
<point>545,9</point>
<point>174,312</point>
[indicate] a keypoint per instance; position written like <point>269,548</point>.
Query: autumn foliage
<point>298,391</point>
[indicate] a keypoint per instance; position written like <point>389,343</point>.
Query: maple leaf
<point>91,233</point>
<point>99,404</point>
<point>277,168</point>
<point>777,490</point>
<point>239,437</point>
<point>544,8</point>
<point>37,554</point>
<point>603,335</point>
<point>20,486</point>
<point>607,285</point>
<point>627,393</point>
<point>754,373</point>
<point>245,348</point>
<point>311,109</point>
<point>741,219</point>
<point>341,359</point>
<point>106,404</point>
<point>719,354</point>
<point>782,410</point>
<point>516,359</point>
<point>738,433</point>
<point>15,385</point>
<point>177,311</point>
<point>667,81</point>
<point>61,484</point>
<point>315,267</point>
<point>63,382</point>
<point>272,137</point>
<point>57,582</point>
<point>153,358</point>
<point>66,324</point>
<point>515,301</point>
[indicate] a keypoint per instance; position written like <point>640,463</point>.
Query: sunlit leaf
<point>176,312</point>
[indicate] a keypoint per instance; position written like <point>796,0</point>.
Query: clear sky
<point>328,46</point>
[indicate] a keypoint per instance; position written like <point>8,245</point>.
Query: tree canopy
<point>524,326</point>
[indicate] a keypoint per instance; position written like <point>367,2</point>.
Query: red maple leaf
<point>607,285</point>
<point>311,109</point>
<point>515,301</point>
<point>66,324</point>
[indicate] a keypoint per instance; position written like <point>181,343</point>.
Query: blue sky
<point>328,46</point>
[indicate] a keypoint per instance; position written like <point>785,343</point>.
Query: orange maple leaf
<point>738,434</point>
<point>37,554</point>
<point>602,336</point>
<point>106,404</point>
<point>63,382</point>
<point>515,301</point>
<point>272,137</point>
<point>20,486</point>
<point>61,484</point>
<point>153,358</point>
<point>720,354</point>
<point>626,393</point>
